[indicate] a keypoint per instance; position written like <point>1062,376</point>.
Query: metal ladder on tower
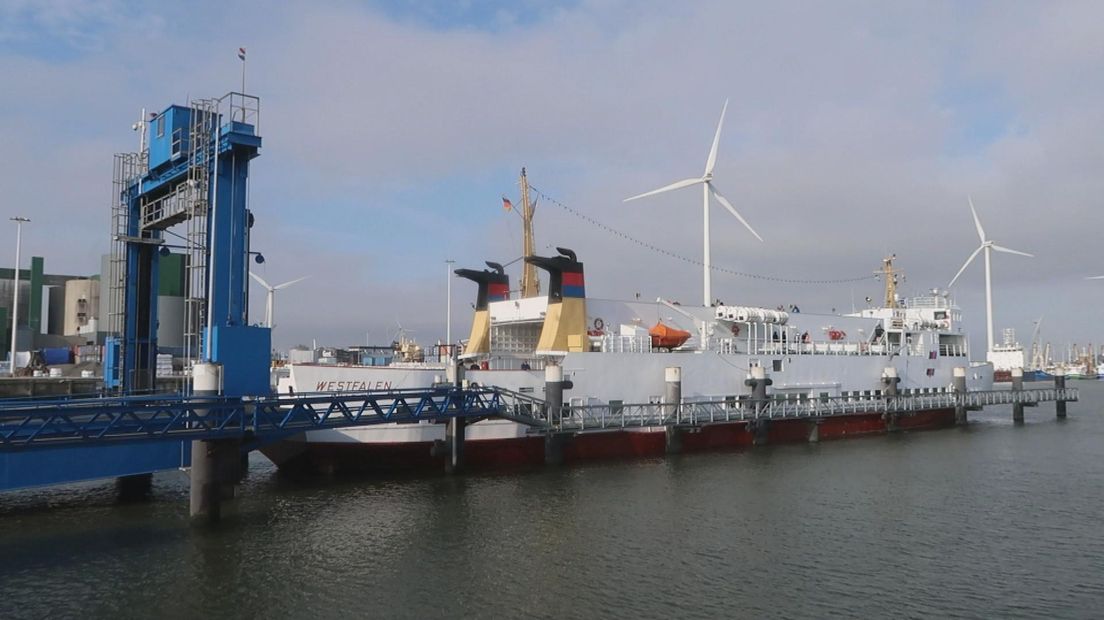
<point>201,163</point>
<point>128,170</point>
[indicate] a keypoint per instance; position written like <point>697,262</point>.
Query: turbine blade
<point>260,279</point>
<point>666,188</point>
<point>1095,278</point>
<point>977,222</point>
<point>965,265</point>
<point>1001,248</point>
<point>287,284</point>
<point>709,163</point>
<point>724,201</point>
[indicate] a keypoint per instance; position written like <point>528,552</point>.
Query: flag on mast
<point>506,204</point>
<point>241,53</point>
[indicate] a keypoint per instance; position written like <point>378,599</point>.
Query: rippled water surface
<point>989,521</point>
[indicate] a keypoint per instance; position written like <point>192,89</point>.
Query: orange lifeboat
<point>836,334</point>
<point>664,337</point>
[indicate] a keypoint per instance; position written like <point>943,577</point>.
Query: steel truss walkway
<point>55,441</point>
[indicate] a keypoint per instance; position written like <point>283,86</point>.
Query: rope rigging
<point>686,259</point>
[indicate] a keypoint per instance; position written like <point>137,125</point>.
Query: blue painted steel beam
<point>34,468</point>
<point>65,423</point>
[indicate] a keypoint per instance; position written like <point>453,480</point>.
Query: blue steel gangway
<point>52,441</point>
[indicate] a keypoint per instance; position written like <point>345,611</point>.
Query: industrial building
<point>58,310</point>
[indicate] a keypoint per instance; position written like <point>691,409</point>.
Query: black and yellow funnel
<point>565,320</point>
<point>494,285</point>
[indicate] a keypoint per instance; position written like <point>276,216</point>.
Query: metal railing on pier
<point>697,413</point>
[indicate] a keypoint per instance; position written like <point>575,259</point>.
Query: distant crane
<point>270,298</point>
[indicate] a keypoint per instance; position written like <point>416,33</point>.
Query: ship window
<point>777,365</point>
<point>525,390</point>
<point>877,393</point>
<point>161,126</point>
<point>616,406</point>
<point>824,397</point>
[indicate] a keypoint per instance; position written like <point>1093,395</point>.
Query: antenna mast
<point>530,285</point>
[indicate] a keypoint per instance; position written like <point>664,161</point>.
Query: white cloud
<point>381,137</point>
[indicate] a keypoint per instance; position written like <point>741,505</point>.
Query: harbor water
<point>992,520</point>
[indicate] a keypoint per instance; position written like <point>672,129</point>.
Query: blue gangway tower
<point>186,189</point>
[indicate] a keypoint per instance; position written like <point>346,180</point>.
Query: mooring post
<point>553,400</point>
<point>889,389</point>
<point>1017,396</point>
<point>760,425</point>
<point>553,393</point>
<point>960,390</point>
<point>454,437</point>
<point>672,408</point>
<point>1060,386</point>
<point>455,428</point>
<point>215,463</point>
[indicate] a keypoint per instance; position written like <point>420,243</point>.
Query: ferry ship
<point>616,352</point>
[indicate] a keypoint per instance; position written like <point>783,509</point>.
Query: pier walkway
<point>65,440</point>
<point>577,418</point>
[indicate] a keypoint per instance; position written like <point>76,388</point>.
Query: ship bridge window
<point>940,315</point>
<point>776,365</point>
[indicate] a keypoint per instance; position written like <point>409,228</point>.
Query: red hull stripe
<point>529,451</point>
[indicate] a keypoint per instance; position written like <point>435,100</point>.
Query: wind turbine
<point>706,181</point>
<point>272,294</point>
<point>988,246</point>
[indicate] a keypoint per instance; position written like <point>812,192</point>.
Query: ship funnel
<point>494,285</point>
<point>564,327</point>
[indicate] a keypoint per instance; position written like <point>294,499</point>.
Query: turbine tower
<point>269,299</point>
<point>988,246</point>
<point>706,181</point>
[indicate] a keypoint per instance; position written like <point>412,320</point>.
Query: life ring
<point>599,324</point>
<point>735,329</point>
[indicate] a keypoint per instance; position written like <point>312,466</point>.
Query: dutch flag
<point>241,53</point>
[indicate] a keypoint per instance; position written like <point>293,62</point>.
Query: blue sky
<point>392,128</point>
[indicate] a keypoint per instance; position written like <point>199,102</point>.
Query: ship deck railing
<point>614,416</point>
<point>771,346</point>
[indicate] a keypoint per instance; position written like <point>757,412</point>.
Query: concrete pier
<point>455,429</point>
<point>1060,404</point>
<point>215,463</point>
<point>553,391</point>
<point>758,381</point>
<point>1017,386</point>
<point>960,388</point>
<point>215,471</point>
<point>672,391</point>
<point>554,448</point>
<point>889,389</point>
<point>454,442</point>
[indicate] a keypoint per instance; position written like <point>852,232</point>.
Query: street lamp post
<point>448,304</point>
<point>19,221</point>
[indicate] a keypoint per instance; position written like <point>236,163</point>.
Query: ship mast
<point>890,276</point>
<point>530,285</point>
